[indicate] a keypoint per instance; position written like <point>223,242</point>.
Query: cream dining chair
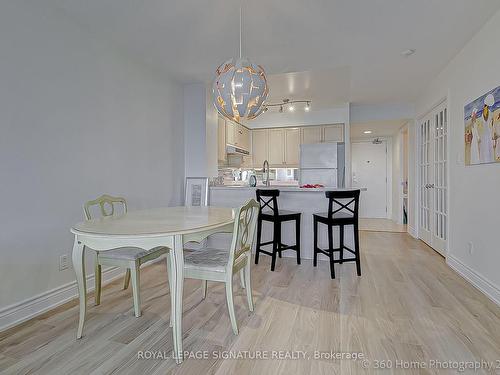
<point>221,264</point>
<point>128,257</point>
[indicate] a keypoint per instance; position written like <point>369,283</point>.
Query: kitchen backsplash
<point>232,176</point>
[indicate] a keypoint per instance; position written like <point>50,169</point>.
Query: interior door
<point>433,187</point>
<point>369,169</point>
<point>425,216</point>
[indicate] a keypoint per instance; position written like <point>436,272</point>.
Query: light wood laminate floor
<point>407,306</point>
<point>381,225</point>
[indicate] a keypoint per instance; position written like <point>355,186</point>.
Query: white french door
<point>433,178</point>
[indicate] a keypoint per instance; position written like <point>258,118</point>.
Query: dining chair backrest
<point>343,202</point>
<point>243,231</point>
<point>268,200</point>
<point>107,205</point>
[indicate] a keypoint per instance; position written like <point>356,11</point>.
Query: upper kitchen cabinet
<point>230,132</point>
<point>283,147</point>
<point>292,147</point>
<point>237,135</point>
<point>260,146</point>
<point>276,147</point>
<point>325,133</point>
<point>243,137</point>
<point>310,134</point>
<point>221,139</point>
<point>333,133</point>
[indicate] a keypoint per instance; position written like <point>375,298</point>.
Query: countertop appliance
<point>322,163</point>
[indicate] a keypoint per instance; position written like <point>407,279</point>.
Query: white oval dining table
<point>171,227</point>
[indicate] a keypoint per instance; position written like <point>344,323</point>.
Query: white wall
<point>474,191</point>
<point>397,177</point>
<point>211,135</point>
<point>77,120</point>
<point>195,149</point>
<point>200,131</point>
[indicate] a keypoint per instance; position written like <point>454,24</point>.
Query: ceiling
<point>378,129</point>
<point>358,41</point>
<point>316,86</point>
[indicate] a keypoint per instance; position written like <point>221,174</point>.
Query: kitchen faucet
<point>266,181</point>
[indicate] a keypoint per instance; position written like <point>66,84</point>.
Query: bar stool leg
<point>332,266</point>
<point>275,245</point>
<point>277,233</point>
<point>356,249</point>
<point>330,239</point>
<point>330,248</point>
<point>341,238</point>
<point>315,245</point>
<point>259,240</point>
<point>297,239</point>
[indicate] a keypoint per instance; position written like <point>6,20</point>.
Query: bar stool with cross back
<point>269,211</point>
<point>339,214</point>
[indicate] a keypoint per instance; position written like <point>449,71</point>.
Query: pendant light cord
<point>240,29</point>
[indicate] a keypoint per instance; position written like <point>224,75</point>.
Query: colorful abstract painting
<point>482,129</point>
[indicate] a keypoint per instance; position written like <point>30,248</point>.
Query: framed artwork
<point>482,129</point>
<point>196,191</point>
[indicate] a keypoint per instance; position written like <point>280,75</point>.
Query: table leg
<point>177,267</point>
<point>78,257</point>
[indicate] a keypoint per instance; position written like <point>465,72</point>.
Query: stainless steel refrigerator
<point>322,163</point>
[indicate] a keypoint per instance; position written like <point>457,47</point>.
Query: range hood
<point>233,150</point>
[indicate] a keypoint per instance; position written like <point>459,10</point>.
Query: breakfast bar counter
<point>293,198</point>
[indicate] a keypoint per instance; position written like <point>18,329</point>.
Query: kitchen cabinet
<point>292,146</point>
<point>276,147</point>
<point>333,133</point>
<point>243,138</point>
<point>281,146</point>
<point>237,135</point>
<point>260,147</point>
<point>230,132</point>
<point>221,139</point>
<point>311,134</point>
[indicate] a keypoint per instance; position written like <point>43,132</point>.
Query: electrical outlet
<point>471,247</point>
<point>63,262</point>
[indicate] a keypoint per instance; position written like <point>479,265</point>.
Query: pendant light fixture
<point>240,88</point>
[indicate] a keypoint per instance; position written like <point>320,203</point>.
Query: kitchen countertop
<point>282,188</point>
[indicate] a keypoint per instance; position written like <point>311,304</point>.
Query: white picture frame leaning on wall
<point>196,191</point>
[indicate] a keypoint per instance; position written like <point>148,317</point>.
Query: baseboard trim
<point>412,231</point>
<point>23,311</point>
<point>479,282</point>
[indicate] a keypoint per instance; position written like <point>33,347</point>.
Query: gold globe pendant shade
<point>239,89</point>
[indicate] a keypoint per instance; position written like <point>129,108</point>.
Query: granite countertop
<point>281,188</point>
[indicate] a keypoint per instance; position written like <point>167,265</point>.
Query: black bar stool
<point>339,214</point>
<point>267,199</point>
